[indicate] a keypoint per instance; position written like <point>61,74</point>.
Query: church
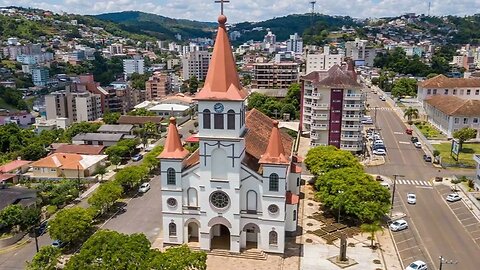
<point>240,188</point>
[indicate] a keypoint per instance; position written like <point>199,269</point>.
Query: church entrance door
<point>220,237</point>
<point>252,231</point>
<point>192,232</point>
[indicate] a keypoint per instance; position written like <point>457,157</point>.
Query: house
<point>451,113</point>
<point>139,121</point>
<point>11,171</point>
<point>116,129</point>
<point>17,195</point>
<point>82,149</point>
<point>443,86</point>
<point>66,165</point>
<point>98,138</point>
<point>18,118</point>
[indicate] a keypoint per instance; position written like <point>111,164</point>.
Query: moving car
<point>453,197</point>
<point>382,98</point>
<point>144,188</point>
<point>417,265</point>
<point>417,144</point>
<point>57,244</point>
<point>42,228</point>
<point>414,139</point>
<point>379,152</point>
<point>409,131</point>
<point>411,198</point>
<point>137,157</point>
<point>427,158</point>
<point>398,225</point>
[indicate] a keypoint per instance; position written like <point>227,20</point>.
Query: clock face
<point>218,107</point>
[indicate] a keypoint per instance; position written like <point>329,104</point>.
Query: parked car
<point>383,98</point>
<point>427,158</point>
<point>417,265</point>
<point>144,188</point>
<point>409,131</point>
<point>137,157</point>
<point>417,144</point>
<point>414,139</point>
<point>378,141</point>
<point>379,152</point>
<point>453,197</point>
<point>398,225</point>
<point>379,146</point>
<point>42,229</point>
<point>379,178</point>
<point>57,244</point>
<point>385,185</point>
<point>411,198</point>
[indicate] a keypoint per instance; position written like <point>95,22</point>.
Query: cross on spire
<point>221,4</point>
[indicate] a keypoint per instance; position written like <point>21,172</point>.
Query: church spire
<point>173,148</point>
<point>275,153</point>
<point>222,82</point>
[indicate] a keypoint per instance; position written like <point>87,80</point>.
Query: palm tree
<point>411,113</point>
<point>371,228</point>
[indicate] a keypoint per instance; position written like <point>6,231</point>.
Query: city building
<point>116,49</point>
<point>295,44</point>
<point>40,76</point>
<point>195,64</point>
<point>80,149</point>
<point>274,75</point>
<point>116,129</point>
<point>444,86</point>
<point>19,118</point>
<point>322,61</point>
<point>65,165</point>
<point>451,113</point>
<point>360,52</point>
<point>135,65</point>
<point>157,86</point>
<point>42,124</point>
<point>104,139</point>
<point>240,188</point>
<point>76,106</point>
<point>332,108</point>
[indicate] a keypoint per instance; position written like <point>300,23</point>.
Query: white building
<point>40,76</point>
<point>240,188</point>
<point>360,52</point>
<point>322,61</point>
<point>135,65</point>
<point>295,44</point>
<point>195,64</point>
<point>444,86</point>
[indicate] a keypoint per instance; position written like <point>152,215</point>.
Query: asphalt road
<point>434,228</point>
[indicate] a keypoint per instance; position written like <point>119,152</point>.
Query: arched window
<point>251,201</point>
<point>294,215</point>
<point>219,169</point>
<point>172,229</point>
<point>192,197</point>
<point>207,120</point>
<point>273,238</point>
<point>218,121</point>
<point>171,176</point>
<point>231,119</point>
<point>273,182</point>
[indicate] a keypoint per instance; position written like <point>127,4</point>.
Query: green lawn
<point>465,157</point>
<point>429,131</point>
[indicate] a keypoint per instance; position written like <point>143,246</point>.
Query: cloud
<point>255,10</point>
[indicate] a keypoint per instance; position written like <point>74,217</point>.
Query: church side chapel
<point>240,189</point>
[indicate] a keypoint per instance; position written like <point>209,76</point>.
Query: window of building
<point>171,202</point>
<point>434,91</point>
<point>294,215</point>
<point>454,91</point>
<point>462,92</point>
<point>218,121</point>
<point>219,199</point>
<point>445,92</point>
<point>475,120</point>
<point>477,92</point>
<point>456,120</point>
<point>252,201</point>
<point>273,182</point>
<point>465,121</point>
<point>272,238</point>
<point>172,229</point>
<point>207,119</point>
<point>429,91</point>
<point>273,209</point>
<point>468,92</point>
<point>171,176</point>
<point>231,119</point>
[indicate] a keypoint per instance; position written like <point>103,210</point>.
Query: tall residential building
<point>135,65</point>
<point>270,38</point>
<point>332,108</point>
<point>115,49</point>
<point>195,64</point>
<point>360,53</point>
<point>322,61</point>
<point>274,75</point>
<point>76,106</point>
<point>40,76</point>
<point>295,44</point>
<point>157,86</point>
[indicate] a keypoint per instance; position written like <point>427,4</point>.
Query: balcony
<point>320,106</point>
<point>351,138</point>
<point>353,97</point>
<point>316,116</point>
<point>316,96</point>
<point>353,107</point>
<point>313,144</point>
<point>307,120</point>
<point>313,135</point>
<point>351,147</point>
<point>319,127</point>
<point>351,127</point>
<point>351,117</point>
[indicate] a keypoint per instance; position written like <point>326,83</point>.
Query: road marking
<point>416,182</point>
<point>466,218</point>
<point>425,187</point>
<point>408,181</point>
<point>398,133</point>
<point>401,142</point>
<point>405,240</point>
<point>409,248</point>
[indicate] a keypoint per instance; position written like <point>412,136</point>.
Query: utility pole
<point>393,191</point>
<point>429,6</point>
<point>340,192</point>
<point>443,261</point>
<point>312,10</point>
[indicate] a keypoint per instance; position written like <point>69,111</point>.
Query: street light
<point>443,261</point>
<point>339,205</point>
<point>393,191</point>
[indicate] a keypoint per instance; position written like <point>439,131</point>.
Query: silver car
<point>398,225</point>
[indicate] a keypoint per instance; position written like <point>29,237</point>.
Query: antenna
<point>429,6</point>
<point>313,10</point>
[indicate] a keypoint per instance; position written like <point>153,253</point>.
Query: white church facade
<point>240,188</point>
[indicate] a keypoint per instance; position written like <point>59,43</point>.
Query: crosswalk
<point>381,109</point>
<point>413,182</point>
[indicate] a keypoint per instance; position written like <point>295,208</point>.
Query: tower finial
<point>221,4</point>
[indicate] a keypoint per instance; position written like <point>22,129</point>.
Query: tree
<point>404,87</point>
<point>11,216</point>
<point>71,225</point>
<point>46,259</point>
<point>179,258</point>
<point>193,84</point>
<point>131,176</point>
<point>114,159</point>
<point>371,228</point>
<point>464,135</point>
<point>138,80</point>
<point>33,152</point>
<point>101,170</point>
<point>322,159</point>
<point>410,113</point>
<point>111,118</point>
<point>105,196</point>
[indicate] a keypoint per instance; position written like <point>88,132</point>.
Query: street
<point>434,230</point>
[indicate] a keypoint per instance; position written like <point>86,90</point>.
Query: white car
<point>417,144</point>
<point>417,265</point>
<point>411,198</point>
<point>398,225</point>
<point>379,152</point>
<point>385,185</point>
<point>144,188</point>
<point>453,197</point>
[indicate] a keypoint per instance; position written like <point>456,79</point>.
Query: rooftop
<point>16,195</point>
<point>334,77</point>
<point>13,165</point>
<point>169,107</point>
<point>68,161</point>
<point>98,137</point>
<point>80,149</point>
<point>455,106</point>
<point>115,128</point>
<point>139,120</point>
<point>441,81</point>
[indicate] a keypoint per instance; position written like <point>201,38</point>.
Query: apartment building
<point>195,64</point>
<point>295,43</point>
<point>463,88</point>
<point>157,86</point>
<point>274,75</point>
<point>135,65</point>
<point>360,52</point>
<point>332,108</point>
<point>76,106</point>
<point>40,76</point>
<point>322,61</point>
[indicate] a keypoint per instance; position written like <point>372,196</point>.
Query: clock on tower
<point>218,107</point>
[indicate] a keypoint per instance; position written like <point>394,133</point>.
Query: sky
<point>255,10</point>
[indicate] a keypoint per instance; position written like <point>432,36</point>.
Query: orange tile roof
<point>81,149</point>
<point>192,160</point>
<point>222,82</point>
<point>291,198</point>
<point>295,168</point>
<point>11,166</point>
<point>60,160</point>
<point>441,81</point>
<point>275,152</point>
<point>455,106</point>
<point>173,146</point>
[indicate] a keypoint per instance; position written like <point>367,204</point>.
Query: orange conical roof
<point>222,81</point>
<point>275,153</point>
<point>173,146</point>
